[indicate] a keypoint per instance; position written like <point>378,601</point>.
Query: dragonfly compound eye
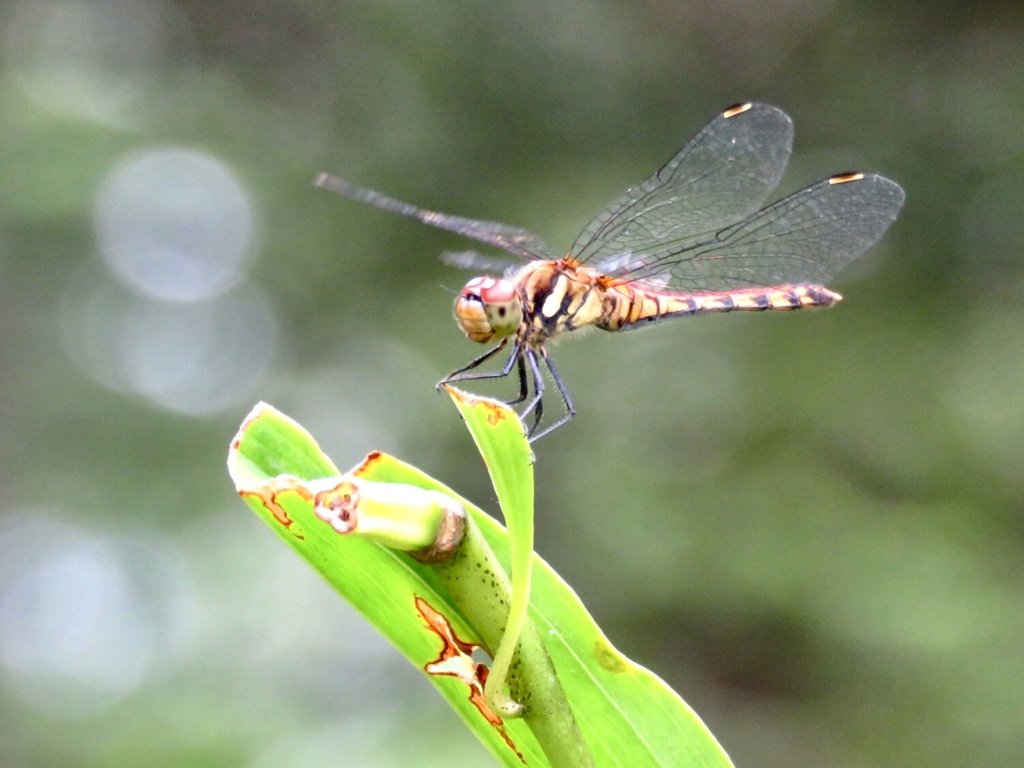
<point>488,307</point>
<point>502,305</point>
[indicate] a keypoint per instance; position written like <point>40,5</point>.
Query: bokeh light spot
<point>196,359</point>
<point>84,619</point>
<point>175,224</point>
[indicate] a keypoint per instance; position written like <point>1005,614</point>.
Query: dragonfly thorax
<point>488,307</point>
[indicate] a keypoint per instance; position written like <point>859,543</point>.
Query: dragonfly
<point>692,239</point>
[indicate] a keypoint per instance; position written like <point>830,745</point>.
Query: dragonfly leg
<point>536,404</point>
<point>462,375</point>
<point>524,387</point>
<point>522,357</point>
<point>570,410</point>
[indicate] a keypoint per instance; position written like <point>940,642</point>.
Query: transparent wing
<point>808,237</point>
<point>723,175</point>
<point>480,262</point>
<point>512,239</point>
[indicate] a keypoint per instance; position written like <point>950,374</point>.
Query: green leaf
<point>380,583</point>
<point>501,440</point>
<point>628,716</point>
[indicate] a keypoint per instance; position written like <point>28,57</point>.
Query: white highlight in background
<point>87,619</point>
<point>175,224</point>
<point>196,359</point>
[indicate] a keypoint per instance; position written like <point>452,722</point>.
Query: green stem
<point>477,583</point>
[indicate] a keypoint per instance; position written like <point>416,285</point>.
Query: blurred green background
<point>810,524</point>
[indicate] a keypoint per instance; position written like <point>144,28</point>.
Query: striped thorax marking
<point>552,305</point>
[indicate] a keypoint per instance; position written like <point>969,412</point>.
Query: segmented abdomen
<point>630,307</point>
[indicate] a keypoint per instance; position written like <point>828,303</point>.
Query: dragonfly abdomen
<point>631,307</point>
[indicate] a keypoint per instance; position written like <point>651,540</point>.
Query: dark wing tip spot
<point>737,109</point>
<point>842,178</point>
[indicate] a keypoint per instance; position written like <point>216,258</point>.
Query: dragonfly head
<point>488,307</point>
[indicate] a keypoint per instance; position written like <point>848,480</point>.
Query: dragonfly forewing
<point>724,174</point>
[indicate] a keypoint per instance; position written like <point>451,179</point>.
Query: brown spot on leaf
<point>367,464</point>
<point>607,657</point>
<point>495,413</point>
<point>267,496</point>
<point>339,506</point>
<point>456,660</point>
